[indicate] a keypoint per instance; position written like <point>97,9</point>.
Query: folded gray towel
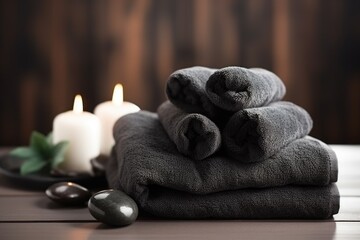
<point>144,160</point>
<point>289,202</point>
<point>194,134</point>
<point>185,88</point>
<point>255,134</point>
<point>236,88</point>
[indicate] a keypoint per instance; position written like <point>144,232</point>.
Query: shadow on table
<point>46,203</point>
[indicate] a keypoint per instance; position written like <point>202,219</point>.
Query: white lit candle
<point>109,112</point>
<point>82,130</point>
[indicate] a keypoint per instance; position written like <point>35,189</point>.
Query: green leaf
<point>23,152</point>
<point>59,151</point>
<point>49,138</point>
<point>32,165</point>
<point>39,143</point>
<point>41,154</point>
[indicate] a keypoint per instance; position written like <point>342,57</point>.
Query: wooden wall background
<point>50,50</point>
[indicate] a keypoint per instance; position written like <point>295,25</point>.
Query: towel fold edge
<point>335,200</point>
<point>334,168</point>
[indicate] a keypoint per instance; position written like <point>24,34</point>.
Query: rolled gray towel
<point>146,164</point>
<point>255,134</point>
<point>236,88</point>
<point>185,88</point>
<point>194,134</point>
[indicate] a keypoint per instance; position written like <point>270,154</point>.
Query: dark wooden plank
<point>39,208</point>
<point>54,49</point>
<point>201,230</point>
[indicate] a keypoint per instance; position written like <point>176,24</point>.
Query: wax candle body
<point>82,130</point>
<point>108,113</point>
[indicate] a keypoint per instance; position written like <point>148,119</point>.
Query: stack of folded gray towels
<point>224,146</point>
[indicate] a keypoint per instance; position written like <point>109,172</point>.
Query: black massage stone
<point>68,193</point>
<point>113,208</point>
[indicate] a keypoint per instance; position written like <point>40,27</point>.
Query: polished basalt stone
<point>68,193</point>
<point>113,208</point>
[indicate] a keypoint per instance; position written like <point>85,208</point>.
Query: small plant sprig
<point>41,155</point>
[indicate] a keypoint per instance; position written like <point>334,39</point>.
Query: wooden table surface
<point>26,214</point>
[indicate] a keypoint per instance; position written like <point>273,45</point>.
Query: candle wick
<point>118,95</point>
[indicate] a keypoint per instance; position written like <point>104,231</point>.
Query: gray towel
<point>236,88</point>
<point>185,88</point>
<point>289,202</point>
<point>255,134</point>
<point>145,160</point>
<point>194,134</point>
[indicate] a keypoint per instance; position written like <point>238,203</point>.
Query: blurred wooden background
<point>51,50</point>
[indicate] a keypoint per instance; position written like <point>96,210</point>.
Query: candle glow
<point>78,104</point>
<point>109,112</point>
<point>83,132</point>
<point>118,95</point>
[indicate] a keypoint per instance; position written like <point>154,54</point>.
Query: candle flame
<point>118,96</point>
<point>78,104</point>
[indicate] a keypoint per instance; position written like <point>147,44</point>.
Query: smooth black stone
<point>113,208</point>
<point>68,193</point>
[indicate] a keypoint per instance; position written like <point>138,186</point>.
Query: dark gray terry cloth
<point>288,202</point>
<point>194,134</point>
<point>185,88</point>
<point>255,134</point>
<point>146,165</point>
<point>236,88</point>
<point>146,156</point>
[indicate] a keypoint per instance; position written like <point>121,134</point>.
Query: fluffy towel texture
<point>289,202</point>
<point>146,165</point>
<point>194,134</point>
<point>185,88</point>
<point>255,134</point>
<point>236,88</point>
